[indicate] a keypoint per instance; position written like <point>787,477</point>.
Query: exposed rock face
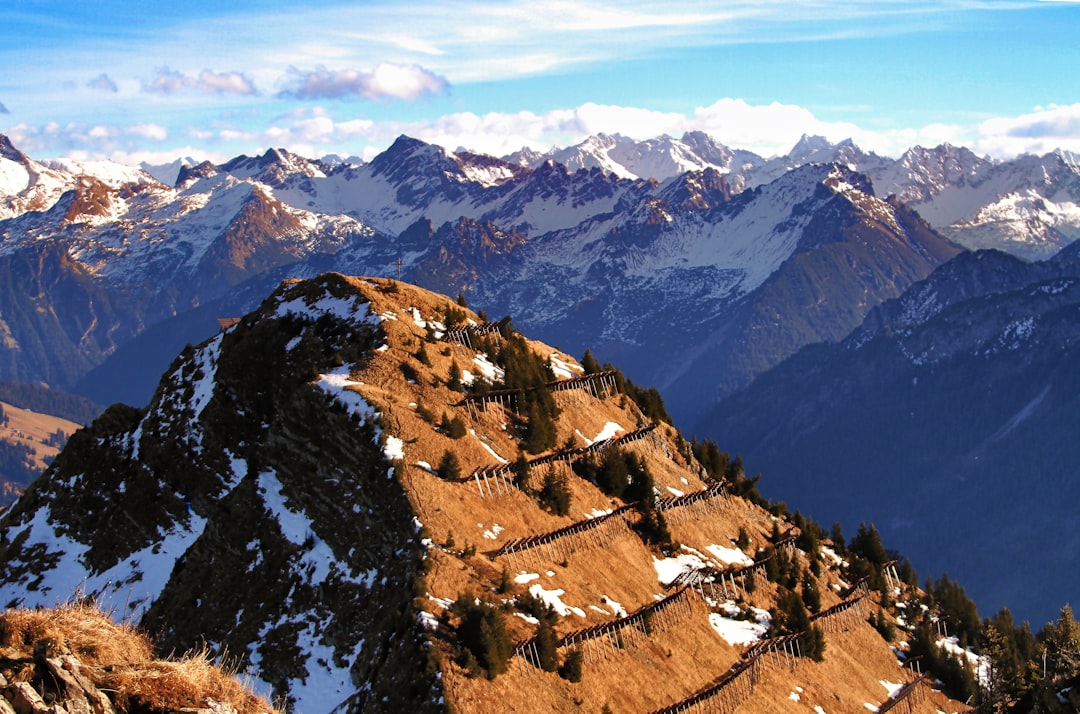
<point>244,507</point>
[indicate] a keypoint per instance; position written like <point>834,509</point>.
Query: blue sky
<point>154,81</point>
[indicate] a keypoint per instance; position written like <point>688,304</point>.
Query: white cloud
<point>1040,131</point>
<point>385,81</point>
<point>766,129</point>
<point>149,131</point>
<point>103,83</point>
<point>167,81</point>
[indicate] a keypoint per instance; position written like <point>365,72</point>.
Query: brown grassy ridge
<point>673,663</point>
<point>114,659</point>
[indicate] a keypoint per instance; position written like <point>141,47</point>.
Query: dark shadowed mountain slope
<point>949,419</point>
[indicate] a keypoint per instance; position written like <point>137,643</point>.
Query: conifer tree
<point>483,634</point>
<point>1062,642</point>
<point>547,646</point>
<point>555,493</point>
<point>811,597</point>
<point>589,363</point>
<point>540,432</point>
<point>450,467</point>
<point>571,669</point>
<point>867,544</point>
<point>454,428</point>
<point>522,476</point>
<point>453,380</point>
<point>815,644</point>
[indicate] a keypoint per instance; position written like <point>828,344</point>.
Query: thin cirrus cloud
<point>168,81</point>
<point>103,83</point>
<point>386,81</point>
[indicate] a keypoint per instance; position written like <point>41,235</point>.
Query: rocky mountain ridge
<point>312,490</point>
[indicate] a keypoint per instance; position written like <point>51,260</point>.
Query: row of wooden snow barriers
<point>462,334</point>
<point>892,577</point>
<point>502,475</point>
<point>707,577</point>
<point>734,687</point>
<point>557,545</point>
<point>698,503</point>
<point>609,638</point>
<point>908,697</point>
<point>842,617</point>
<point>594,384</point>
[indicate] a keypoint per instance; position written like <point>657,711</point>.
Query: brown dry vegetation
<point>33,431</point>
<point>116,659</point>
<point>674,663</point>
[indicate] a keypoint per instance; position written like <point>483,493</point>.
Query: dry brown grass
<point>32,430</point>
<point>83,629</point>
<point>192,681</point>
<point>674,663</point>
<point>119,660</point>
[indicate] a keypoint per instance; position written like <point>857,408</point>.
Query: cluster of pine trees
<point>1014,671</point>
<point>624,475</point>
<point>798,596</point>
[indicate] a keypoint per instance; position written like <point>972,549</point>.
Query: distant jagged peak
<point>941,153</point>
<point>407,146</point>
<point>169,173</point>
<point>337,161</point>
<point>10,152</point>
<point>409,157</point>
<point>810,142</point>
<point>110,173</point>
<point>189,175</point>
<point>708,148</point>
<point>528,157</point>
<point>488,170</point>
<point>274,167</point>
<point>1069,158</point>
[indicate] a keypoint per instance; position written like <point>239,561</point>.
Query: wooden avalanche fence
<point>557,545</point>
<point>779,651</point>
<point>594,384</point>
<point>725,694</point>
<point>607,639</point>
<point>892,577</point>
<point>908,698</point>
<point>734,688</point>
<point>462,334</point>
<point>508,399</point>
<point>698,504</point>
<point>861,587</point>
<point>842,617</point>
<point>498,480</point>
<point>502,476</point>
<point>718,582</point>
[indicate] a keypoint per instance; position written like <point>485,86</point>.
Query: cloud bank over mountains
<point>217,81</point>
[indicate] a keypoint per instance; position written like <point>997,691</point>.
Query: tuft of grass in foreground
<point>119,660</point>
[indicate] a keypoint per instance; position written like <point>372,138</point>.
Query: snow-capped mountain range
<point>596,245</point>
